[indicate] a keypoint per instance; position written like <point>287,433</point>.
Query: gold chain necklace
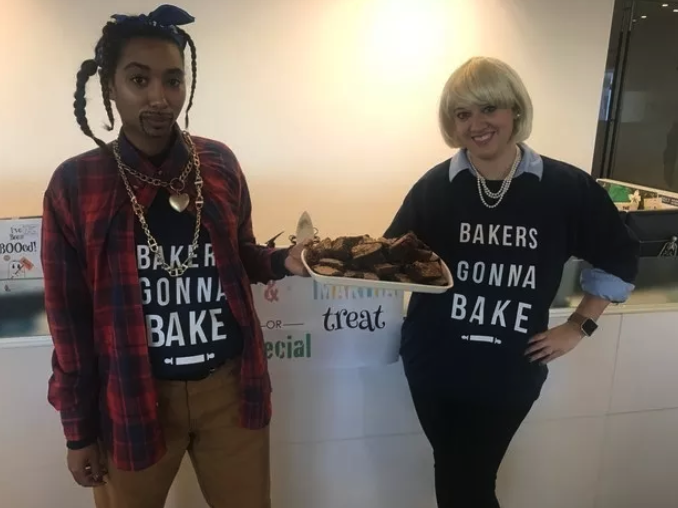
<point>176,271</point>
<point>178,199</point>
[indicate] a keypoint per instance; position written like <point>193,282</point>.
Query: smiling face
<point>485,108</point>
<point>149,89</point>
<point>485,131</point>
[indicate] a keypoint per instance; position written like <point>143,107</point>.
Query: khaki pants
<point>201,417</point>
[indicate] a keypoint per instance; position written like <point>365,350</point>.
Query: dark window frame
<point>610,103</point>
<point>620,34</point>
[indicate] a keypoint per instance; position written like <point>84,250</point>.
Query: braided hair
<point>109,49</point>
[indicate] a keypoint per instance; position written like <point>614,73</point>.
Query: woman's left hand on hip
<point>553,343</point>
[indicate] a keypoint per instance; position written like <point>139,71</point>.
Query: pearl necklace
<point>484,190</point>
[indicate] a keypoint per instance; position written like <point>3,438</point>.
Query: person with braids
<point>149,257</point>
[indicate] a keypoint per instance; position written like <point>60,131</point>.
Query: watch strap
<point>577,319</point>
<point>585,324</point>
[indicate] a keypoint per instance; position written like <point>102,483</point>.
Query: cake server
<point>305,229</point>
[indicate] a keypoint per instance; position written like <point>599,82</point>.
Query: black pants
<point>469,442</point>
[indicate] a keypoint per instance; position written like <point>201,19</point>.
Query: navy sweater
<point>507,264</point>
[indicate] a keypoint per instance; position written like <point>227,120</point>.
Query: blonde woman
<point>505,219</point>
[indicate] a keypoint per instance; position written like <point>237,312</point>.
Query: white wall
<point>330,105</point>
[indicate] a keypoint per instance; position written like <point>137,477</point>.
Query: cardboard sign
<point>20,249</point>
<point>310,325</point>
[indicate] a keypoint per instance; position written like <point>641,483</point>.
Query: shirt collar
<point>174,163</point>
<point>531,163</point>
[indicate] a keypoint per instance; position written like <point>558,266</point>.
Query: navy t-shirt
<point>189,323</point>
<point>507,264</point>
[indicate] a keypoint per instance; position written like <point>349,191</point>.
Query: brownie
<point>401,277</point>
<point>334,263</point>
<point>423,255</point>
<point>312,256</point>
<point>318,250</point>
<point>405,259</point>
<point>367,255</point>
<point>341,249</point>
<point>432,270</point>
<point>352,241</point>
<point>423,272</point>
<point>327,271</point>
<point>323,245</point>
<point>404,249</point>
<point>420,245</point>
<point>440,281</point>
<point>386,270</point>
<point>386,242</point>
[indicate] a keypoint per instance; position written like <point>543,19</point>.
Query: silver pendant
<point>179,201</point>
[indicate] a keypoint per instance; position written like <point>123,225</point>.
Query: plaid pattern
<point>102,382</point>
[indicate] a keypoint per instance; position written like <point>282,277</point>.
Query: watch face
<point>589,327</point>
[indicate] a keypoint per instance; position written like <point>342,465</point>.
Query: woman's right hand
<point>86,465</point>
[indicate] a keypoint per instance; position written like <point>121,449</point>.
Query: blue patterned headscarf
<point>165,17</point>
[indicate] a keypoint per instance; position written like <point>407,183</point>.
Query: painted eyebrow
<point>173,71</point>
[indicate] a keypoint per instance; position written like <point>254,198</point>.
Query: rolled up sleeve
<point>597,282</point>
<point>604,241</point>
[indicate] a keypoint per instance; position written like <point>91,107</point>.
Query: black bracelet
<point>79,445</point>
<point>278,264</point>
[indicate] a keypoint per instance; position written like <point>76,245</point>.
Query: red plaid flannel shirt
<point>102,382</point>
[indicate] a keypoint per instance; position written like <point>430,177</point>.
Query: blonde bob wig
<point>484,81</point>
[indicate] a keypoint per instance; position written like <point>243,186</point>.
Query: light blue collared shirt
<point>531,163</point>
<point>593,281</point>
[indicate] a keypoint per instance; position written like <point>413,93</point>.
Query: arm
<point>262,264</point>
<point>604,241</point>
<point>74,384</point>
<point>592,307</point>
<point>560,340</point>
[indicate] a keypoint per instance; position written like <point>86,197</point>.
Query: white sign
<point>309,325</point>
<point>20,249</point>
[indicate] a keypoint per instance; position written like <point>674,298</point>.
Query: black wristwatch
<point>587,325</point>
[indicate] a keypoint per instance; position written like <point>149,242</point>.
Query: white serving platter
<point>382,284</point>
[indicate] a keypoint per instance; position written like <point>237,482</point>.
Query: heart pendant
<point>179,201</point>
